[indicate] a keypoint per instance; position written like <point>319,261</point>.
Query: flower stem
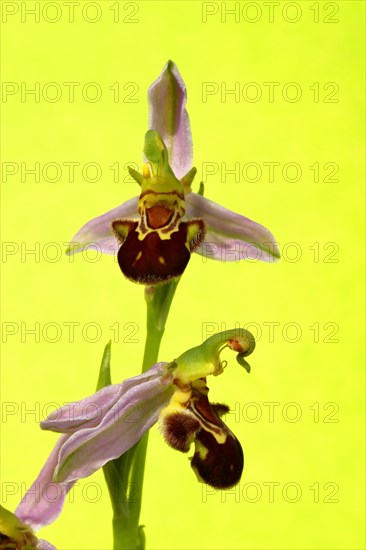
<point>127,533</point>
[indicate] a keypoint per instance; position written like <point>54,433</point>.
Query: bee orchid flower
<point>104,426</point>
<point>154,234</point>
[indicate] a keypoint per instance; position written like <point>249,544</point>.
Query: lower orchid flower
<point>17,534</point>
<point>105,425</point>
<point>155,233</point>
<point>40,506</point>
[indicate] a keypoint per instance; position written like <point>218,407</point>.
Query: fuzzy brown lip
<point>218,459</point>
<point>222,464</point>
<point>153,260</point>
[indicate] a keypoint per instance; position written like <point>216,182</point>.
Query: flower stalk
<point>128,470</point>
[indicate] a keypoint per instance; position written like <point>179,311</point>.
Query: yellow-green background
<point>176,512</point>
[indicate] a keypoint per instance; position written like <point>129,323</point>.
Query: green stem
<point>126,531</point>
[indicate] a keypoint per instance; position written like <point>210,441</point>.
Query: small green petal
<point>201,189</point>
<point>105,368</point>
<point>154,146</point>
<point>135,175</point>
<point>156,152</point>
<point>242,362</point>
<point>187,180</point>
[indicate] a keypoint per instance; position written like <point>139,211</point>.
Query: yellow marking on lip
<point>201,450</point>
<point>161,260</point>
<point>137,258</point>
<point>220,437</point>
<point>160,193</point>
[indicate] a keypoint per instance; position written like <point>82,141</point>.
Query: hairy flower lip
<point>189,419</point>
<point>151,258</point>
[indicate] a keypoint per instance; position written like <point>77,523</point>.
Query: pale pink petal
<point>230,236</point>
<point>85,413</point>
<point>168,116</point>
<point>43,502</point>
<point>98,234</point>
<point>88,449</point>
<point>89,412</point>
<point>45,545</point>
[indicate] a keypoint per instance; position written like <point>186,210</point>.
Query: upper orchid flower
<point>105,425</point>
<point>155,233</point>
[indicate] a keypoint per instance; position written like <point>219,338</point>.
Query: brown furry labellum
<point>156,256</point>
<point>218,459</point>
